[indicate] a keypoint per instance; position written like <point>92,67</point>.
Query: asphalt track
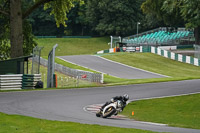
<point>69,105</point>
<point>109,67</point>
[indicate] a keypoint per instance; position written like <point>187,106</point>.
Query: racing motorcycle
<point>111,109</point>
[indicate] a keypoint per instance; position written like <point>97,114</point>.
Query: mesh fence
<point>51,67</point>
<point>74,73</point>
<point>197,51</point>
<point>36,60</point>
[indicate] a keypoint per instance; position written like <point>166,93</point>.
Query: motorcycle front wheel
<point>109,112</point>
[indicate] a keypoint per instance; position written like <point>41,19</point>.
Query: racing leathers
<point>121,98</point>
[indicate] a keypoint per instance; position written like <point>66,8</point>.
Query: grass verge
<point>23,124</point>
<point>147,61</point>
<point>70,65</point>
<point>73,46</point>
<point>157,64</point>
<point>180,111</point>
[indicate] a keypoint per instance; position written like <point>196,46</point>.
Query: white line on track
<point>131,66</point>
<point>85,67</point>
<point>151,123</point>
<point>95,107</point>
<point>163,97</point>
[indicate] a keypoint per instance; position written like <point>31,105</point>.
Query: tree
<point>113,17</point>
<point>77,25</point>
<point>4,37</point>
<point>154,9</point>
<point>176,13</point>
<point>16,15</point>
<point>189,10</point>
<point>43,23</point>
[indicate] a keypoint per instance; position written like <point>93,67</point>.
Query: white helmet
<point>125,97</point>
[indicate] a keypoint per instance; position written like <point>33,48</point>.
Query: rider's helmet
<point>125,97</point>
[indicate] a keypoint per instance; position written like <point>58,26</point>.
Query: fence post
<point>102,78</point>
<point>77,81</point>
<point>51,67</point>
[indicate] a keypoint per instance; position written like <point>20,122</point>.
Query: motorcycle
<point>111,109</point>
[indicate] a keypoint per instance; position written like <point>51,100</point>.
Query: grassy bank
<point>181,111</point>
<point>157,64</point>
<point>63,81</point>
<point>23,124</point>
<point>147,61</point>
<point>73,46</point>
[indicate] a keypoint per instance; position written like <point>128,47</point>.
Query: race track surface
<point>69,105</point>
<point>109,67</point>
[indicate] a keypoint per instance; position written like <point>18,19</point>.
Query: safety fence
<point>126,49</point>
<point>63,36</point>
<point>197,51</point>
<point>175,56</point>
<point>163,51</point>
<point>79,74</point>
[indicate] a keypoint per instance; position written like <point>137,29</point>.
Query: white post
<point>120,39</point>
<point>111,41</point>
<point>77,81</point>
<point>102,78</point>
<point>138,23</point>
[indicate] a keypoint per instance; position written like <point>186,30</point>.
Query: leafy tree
<point>113,17</point>
<point>43,23</point>
<point>16,12</point>
<point>4,37</point>
<point>189,10</point>
<point>77,25</point>
<point>175,13</point>
<point>154,9</point>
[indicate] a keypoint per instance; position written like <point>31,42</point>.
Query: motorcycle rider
<point>123,98</point>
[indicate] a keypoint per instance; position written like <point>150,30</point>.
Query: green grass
<point>23,124</point>
<point>73,46</point>
<point>70,65</point>
<point>147,61</point>
<point>177,111</point>
<point>180,111</point>
<point>63,81</point>
<point>157,64</point>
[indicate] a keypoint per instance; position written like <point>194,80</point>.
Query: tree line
<point>20,20</point>
<point>94,18</point>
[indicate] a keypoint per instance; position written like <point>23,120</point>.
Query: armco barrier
<point>112,50</point>
<point>175,56</point>
<point>92,77</point>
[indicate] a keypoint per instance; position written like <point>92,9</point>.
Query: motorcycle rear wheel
<point>98,114</point>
